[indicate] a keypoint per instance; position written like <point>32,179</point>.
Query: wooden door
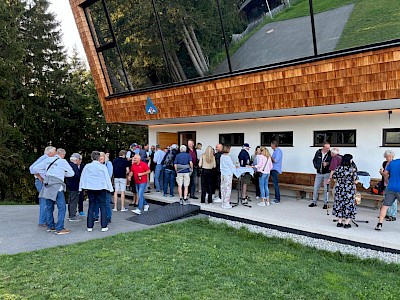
<point>165,139</point>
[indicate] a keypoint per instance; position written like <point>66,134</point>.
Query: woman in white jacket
<point>228,169</point>
<point>264,166</point>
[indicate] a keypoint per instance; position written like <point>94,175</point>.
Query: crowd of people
<point>192,170</point>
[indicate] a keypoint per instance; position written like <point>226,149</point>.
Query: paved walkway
<point>286,40</point>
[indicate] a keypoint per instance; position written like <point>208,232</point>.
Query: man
<point>152,164</point>
<point>392,192</point>
<point>193,154</point>
<point>335,162</point>
<point>56,169</point>
<point>169,170</point>
<point>73,188</point>
<point>120,170</point>
<point>276,158</point>
<point>158,174</point>
<point>144,157</point>
<point>321,161</point>
<point>183,165</point>
<point>244,161</point>
<point>131,152</point>
<point>217,173</point>
<point>80,166</point>
<point>140,170</point>
<point>48,152</point>
<point>96,180</point>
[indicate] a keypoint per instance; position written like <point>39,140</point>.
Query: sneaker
<point>74,219</point>
<point>347,226</point>
<point>268,203</point>
<point>378,226</point>
<point>325,206</point>
<point>194,197</point>
<point>90,229</point>
<point>63,231</point>
<point>339,225</point>
<point>124,209</point>
<point>277,201</point>
<point>257,197</point>
<point>244,201</point>
<point>104,229</point>
<point>226,205</point>
<point>186,201</point>
<point>172,195</point>
<point>261,203</point>
<point>217,200</point>
<point>82,214</point>
<point>114,209</point>
<point>96,220</point>
<point>147,192</point>
<point>131,204</point>
<point>137,211</point>
<point>146,207</point>
<point>181,201</point>
<point>51,229</point>
<point>312,205</point>
<point>165,195</point>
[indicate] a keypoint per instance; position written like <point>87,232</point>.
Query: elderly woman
<point>228,169</point>
<point>346,179</point>
<point>392,211</point>
<point>207,163</point>
<point>96,180</point>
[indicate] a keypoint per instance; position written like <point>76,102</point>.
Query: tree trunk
<point>193,48</point>
<point>121,73</point>
<point>175,73</point>
<point>179,66</point>
<point>193,58</point>
<point>115,84</point>
<point>199,50</point>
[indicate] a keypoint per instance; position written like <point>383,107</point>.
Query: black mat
<point>167,213</point>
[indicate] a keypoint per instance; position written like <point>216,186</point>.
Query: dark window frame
<point>333,141</point>
<point>384,137</point>
<point>232,144</point>
<point>262,141</point>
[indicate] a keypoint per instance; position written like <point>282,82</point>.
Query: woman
<point>199,153</point>
<point>264,166</point>
<point>392,211</point>
<point>207,163</point>
<point>96,180</point>
<point>256,174</point>
<point>228,169</point>
<point>346,179</point>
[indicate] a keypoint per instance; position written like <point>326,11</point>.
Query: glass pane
<point>113,68</point>
<point>274,32</point>
<point>365,22</point>
<point>393,137</point>
<point>193,37</point>
<point>139,41</point>
<point>98,22</point>
<point>321,137</point>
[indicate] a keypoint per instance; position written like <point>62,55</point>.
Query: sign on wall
<point>150,107</point>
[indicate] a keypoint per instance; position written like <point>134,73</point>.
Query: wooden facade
<point>368,76</point>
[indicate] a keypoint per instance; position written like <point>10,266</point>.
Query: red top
<point>140,168</point>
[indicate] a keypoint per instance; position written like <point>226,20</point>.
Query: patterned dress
<point>343,205</point>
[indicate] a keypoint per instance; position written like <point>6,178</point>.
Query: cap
<point>174,146</point>
<point>134,145</point>
<point>246,145</point>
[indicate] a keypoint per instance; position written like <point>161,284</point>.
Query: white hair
<point>335,151</point>
<point>387,153</point>
<point>182,148</point>
<point>61,151</point>
<point>49,149</point>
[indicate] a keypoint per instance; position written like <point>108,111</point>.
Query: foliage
<point>45,99</point>
<point>193,260</point>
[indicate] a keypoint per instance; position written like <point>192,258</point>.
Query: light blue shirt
<point>59,169</point>
<point>39,160</point>
<point>226,165</point>
<point>158,156</point>
<point>110,168</point>
<point>95,177</point>
<point>277,156</point>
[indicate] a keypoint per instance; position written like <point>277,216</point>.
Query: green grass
<point>193,260</point>
<point>371,22</point>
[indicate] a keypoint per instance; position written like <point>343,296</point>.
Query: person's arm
<point>68,169</point>
<point>315,160</point>
<point>191,165</point>
<point>201,161</point>
<point>39,168</point>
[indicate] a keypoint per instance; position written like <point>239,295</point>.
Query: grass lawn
<point>193,260</point>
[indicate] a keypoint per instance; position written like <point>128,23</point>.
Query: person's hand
<point>328,181</point>
<point>129,178</point>
<point>325,164</point>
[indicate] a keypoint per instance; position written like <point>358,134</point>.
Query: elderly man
<point>321,161</point>
<point>73,188</point>
<point>193,154</point>
<point>140,170</point>
<point>335,162</point>
<point>49,151</point>
<point>56,169</point>
<point>96,180</point>
<point>183,164</point>
<point>276,158</point>
<point>158,175</point>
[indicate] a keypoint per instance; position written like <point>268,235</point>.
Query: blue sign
<point>150,107</point>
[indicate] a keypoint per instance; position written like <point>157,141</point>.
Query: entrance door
<point>165,139</point>
<point>184,136</point>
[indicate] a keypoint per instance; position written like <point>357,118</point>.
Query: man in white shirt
<point>158,174</point>
<point>55,169</point>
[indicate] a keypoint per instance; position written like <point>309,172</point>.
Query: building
<point>304,78</point>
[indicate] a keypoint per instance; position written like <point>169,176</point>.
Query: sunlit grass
<point>193,260</point>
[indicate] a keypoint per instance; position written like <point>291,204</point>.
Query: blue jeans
<point>274,175</point>
<point>108,208</point>
<point>169,178</point>
<point>97,198</point>
<point>392,211</point>
<point>158,177</point>
<point>140,187</point>
<point>61,206</point>
<point>264,191</point>
<point>42,203</point>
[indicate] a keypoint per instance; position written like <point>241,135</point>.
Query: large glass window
<point>233,139</point>
<point>391,137</point>
<point>284,138</point>
<point>339,138</point>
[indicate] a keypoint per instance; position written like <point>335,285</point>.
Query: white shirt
<point>158,156</point>
<point>95,177</point>
<point>59,169</point>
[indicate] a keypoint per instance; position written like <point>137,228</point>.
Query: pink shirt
<point>263,165</point>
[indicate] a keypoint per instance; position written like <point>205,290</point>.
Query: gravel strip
<point>320,244</point>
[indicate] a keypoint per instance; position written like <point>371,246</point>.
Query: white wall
<point>368,154</point>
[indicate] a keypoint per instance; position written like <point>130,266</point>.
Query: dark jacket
<point>318,160</point>
<point>73,182</point>
<point>218,161</point>
<point>244,158</point>
<point>169,164</point>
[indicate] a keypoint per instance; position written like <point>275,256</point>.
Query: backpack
<point>169,160</point>
<point>378,189</point>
